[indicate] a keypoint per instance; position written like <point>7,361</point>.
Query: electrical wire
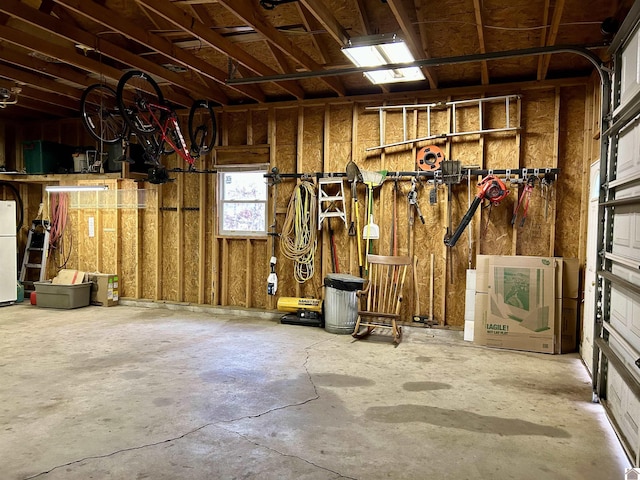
<point>512,29</point>
<point>299,237</point>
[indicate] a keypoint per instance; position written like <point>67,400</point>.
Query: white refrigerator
<point>8,253</point>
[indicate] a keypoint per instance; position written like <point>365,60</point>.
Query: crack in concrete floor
<point>221,425</point>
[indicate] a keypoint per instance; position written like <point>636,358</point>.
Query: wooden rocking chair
<point>384,296</point>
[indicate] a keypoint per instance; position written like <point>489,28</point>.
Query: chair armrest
<point>365,291</point>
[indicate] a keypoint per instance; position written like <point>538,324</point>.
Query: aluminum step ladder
<point>331,200</point>
<point>34,262</point>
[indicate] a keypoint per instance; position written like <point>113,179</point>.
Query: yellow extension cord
<point>299,238</point>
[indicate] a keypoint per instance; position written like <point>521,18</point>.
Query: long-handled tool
<point>491,188</point>
<point>413,202</point>
<point>354,176</point>
<point>371,230</point>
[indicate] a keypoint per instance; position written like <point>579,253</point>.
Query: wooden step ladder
<point>330,204</point>
<point>34,262</point>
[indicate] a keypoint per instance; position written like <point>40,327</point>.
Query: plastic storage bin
<point>341,302</point>
<point>62,296</point>
<point>41,156</point>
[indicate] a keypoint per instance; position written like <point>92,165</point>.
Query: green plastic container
<point>20,295</point>
<point>41,156</point>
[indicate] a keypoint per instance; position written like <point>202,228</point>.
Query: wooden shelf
<point>55,177</point>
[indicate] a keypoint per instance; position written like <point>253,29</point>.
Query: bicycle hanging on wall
<point>138,107</point>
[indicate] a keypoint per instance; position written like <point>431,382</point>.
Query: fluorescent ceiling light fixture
<point>379,50</point>
<point>75,188</point>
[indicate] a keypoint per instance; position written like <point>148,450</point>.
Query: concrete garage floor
<point>146,393</point>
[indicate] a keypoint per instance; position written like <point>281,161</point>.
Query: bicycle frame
<point>166,126</point>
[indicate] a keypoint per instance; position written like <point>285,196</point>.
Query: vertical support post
<point>224,280</point>
<point>353,251</point>
<point>180,237</point>
<point>202,240</point>
<point>157,291</point>
<point>139,272</point>
<point>271,242</point>
<point>556,154</point>
<point>325,252</point>
<point>514,229</point>
<point>249,272</point>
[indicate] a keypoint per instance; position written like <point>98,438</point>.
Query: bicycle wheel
<point>202,127</point>
<point>139,100</point>
<point>100,114</point>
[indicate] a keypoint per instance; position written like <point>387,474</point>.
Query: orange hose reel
<point>429,158</point>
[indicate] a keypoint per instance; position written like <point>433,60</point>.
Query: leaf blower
<point>490,188</point>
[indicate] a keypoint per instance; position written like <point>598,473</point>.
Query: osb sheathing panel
<point>108,261</point>
<point>88,246</point>
<point>129,239</point>
<point>260,271</point>
<point>260,126</point>
<point>189,253</point>
<point>236,127</point>
<point>150,255</point>
<point>236,265</point>
<point>539,150</point>
<point>339,141</point>
<point>312,140</point>
<point>169,260</point>
<point>569,185</point>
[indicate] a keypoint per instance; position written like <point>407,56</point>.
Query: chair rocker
<point>383,296</point>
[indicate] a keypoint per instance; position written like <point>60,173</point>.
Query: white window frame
<point>221,171</point>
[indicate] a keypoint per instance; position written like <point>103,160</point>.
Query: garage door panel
<point>628,154</point>
<point>630,78</point>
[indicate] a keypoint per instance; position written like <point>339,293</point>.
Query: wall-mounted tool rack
<point>515,174</point>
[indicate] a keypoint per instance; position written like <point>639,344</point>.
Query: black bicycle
<point>138,107</point>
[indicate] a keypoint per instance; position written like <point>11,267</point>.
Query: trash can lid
<point>343,281</point>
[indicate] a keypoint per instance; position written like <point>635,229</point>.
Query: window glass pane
<point>244,186</point>
<point>244,217</point>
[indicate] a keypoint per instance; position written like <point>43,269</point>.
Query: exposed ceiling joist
<point>249,12</point>
<point>312,24</point>
<point>75,35</point>
<point>543,62</point>
<point>112,21</point>
<point>193,26</point>
<point>411,38</point>
<point>363,17</point>
<point>47,69</point>
<point>484,68</point>
<point>327,20</point>
<point>38,81</point>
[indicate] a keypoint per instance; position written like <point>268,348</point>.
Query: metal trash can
<point>341,302</point>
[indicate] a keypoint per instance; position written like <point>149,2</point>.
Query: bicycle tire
<point>101,114</point>
<point>202,127</point>
<point>137,93</point>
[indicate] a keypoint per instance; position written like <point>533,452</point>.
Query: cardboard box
<point>482,273</point>
<point>567,311</point>
<point>104,291</point>
<point>69,277</point>
<point>570,278</point>
<point>518,310</point>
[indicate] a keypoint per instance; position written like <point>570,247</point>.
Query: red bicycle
<point>143,108</point>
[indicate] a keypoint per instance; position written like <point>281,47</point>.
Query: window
<point>242,201</point>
